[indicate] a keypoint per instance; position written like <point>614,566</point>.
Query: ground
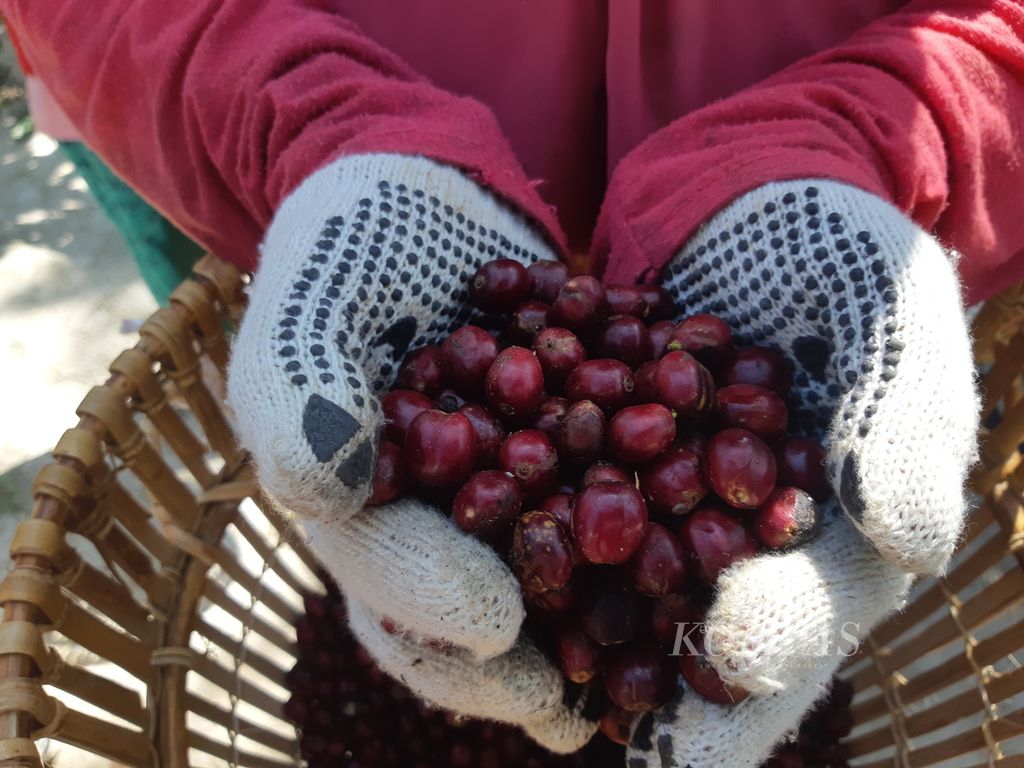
<point>68,288</point>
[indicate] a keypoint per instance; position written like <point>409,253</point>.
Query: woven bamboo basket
<point>149,615</point>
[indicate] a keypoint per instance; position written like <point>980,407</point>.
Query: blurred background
<point>71,295</point>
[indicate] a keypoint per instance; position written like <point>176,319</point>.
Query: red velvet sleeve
<point>215,109</point>
<point>924,107</point>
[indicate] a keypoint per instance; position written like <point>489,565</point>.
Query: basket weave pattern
<point>149,616</point>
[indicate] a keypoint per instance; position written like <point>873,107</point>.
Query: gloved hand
<point>367,258</point>
<point>867,305</point>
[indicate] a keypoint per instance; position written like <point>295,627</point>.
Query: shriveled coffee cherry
<point>626,300</point>
<point>467,355</point>
<point>713,540</point>
<point>706,337</point>
<point>697,442</point>
<point>530,458</point>
<point>499,286</point>
<point>388,474</point>
<point>610,612</point>
<point>609,383</point>
<point>668,613</point>
<point>658,566</point>
<point>549,415</point>
<point>449,401</point>
<point>581,305</point>
<point>753,408</point>
<point>788,518</point>
<point>762,366</point>
<point>559,353</point>
<point>606,472</point>
<point>580,434</point>
<point>684,385</point>
<point>801,463</point>
<point>640,432</point>
<point>660,333</point>
<point>625,338</point>
<point>616,724</point>
<point>609,522</point>
<point>440,448</point>
<point>659,303</point>
<point>489,433</point>
<point>740,468</point>
<point>546,279</point>
<point>541,553</point>
<point>422,371</point>
<point>529,319</point>
<point>400,407</point>
<point>701,675</point>
<point>640,677</point>
<point>578,655</point>
<point>673,484</point>
<point>515,383</point>
<point>487,505</point>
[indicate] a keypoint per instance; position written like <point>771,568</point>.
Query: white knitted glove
<point>367,258</point>
<point>868,307</point>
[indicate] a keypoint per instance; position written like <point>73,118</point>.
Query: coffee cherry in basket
<point>801,463</point>
<point>578,655</point>
<point>641,432</point>
<point>549,416</point>
<point>658,567</point>
<point>668,612</point>
<point>489,433</point>
<point>467,356</point>
<point>703,678</point>
<point>488,505</point>
<point>422,371</point>
<point>684,385</point>
<point>640,677</point>
<point>626,300</point>
<point>625,338</point>
<point>580,434</point>
<point>609,522</point>
<point>499,286</point>
<point>609,383</point>
<point>388,474</point>
<point>559,353</point>
<point>580,306</point>
<point>530,458</point>
<point>547,279</point>
<point>400,407</point>
<point>440,448</point>
<point>753,408</point>
<point>762,366</point>
<point>740,468</point>
<point>541,553</point>
<point>713,540</point>
<point>788,518</point>
<point>672,484</point>
<point>616,724</point>
<point>606,472</point>
<point>515,383</point>
<point>610,612</point>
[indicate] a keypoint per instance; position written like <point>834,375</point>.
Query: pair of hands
<point>369,258</point>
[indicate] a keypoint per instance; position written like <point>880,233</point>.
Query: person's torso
<point>577,84</point>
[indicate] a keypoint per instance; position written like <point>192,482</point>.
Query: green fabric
<point>163,254</point>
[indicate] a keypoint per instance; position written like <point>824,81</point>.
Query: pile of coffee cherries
<point>617,460</point>
<point>350,713</point>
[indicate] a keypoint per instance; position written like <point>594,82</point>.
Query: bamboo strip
<point>986,652</point>
<point>253,658</point>
<point>110,597</point>
<point>100,691</point>
<point>236,686</point>
<point>233,721</point>
<point>106,739</point>
<point>138,522</point>
<point>254,586</point>
<point>219,597</point>
<point>999,382</point>
<point>234,756</point>
<point>269,554</point>
<point>289,534</point>
<point>1004,728</point>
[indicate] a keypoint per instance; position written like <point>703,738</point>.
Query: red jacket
<point>215,109</point>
